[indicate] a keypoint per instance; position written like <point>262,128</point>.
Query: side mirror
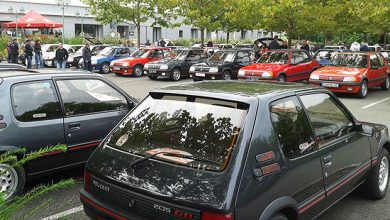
<point>364,129</point>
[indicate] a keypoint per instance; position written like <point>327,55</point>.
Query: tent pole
<point>63,23</point>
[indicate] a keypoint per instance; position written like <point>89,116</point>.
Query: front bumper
<point>338,86</point>
<point>122,70</point>
<point>205,75</point>
<point>95,67</point>
<point>157,72</point>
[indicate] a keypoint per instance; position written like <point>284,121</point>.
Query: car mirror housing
<point>364,129</point>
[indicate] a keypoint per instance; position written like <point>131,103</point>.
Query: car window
<point>296,58</point>
<point>123,51</point>
<point>243,57</point>
<point>328,119</point>
<point>292,127</point>
<point>380,60</point>
<point>167,53</point>
<point>35,101</point>
<point>374,61</point>
<point>305,57</point>
<point>86,96</point>
<point>194,55</point>
<point>157,54</point>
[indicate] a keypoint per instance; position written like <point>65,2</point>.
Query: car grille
<point>117,64</point>
<point>332,78</point>
<point>138,204</point>
<point>151,66</point>
<point>202,69</point>
<point>253,73</point>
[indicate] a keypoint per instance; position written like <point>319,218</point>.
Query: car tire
<point>363,89</point>
<point>279,216</point>
<point>281,78</point>
<point>152,77</point>
<point>386,84</point>
<point>226,75</point>
<point>176,74</point>
<point>105,68</point>
<point>377,181</point>
<point>12,181</point>
<point>138,71</point>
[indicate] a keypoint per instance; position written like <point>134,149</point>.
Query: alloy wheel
<point>138,71</point>
<point>383,174</point>
<point>8,180</point>
<point>105,68</point>
<point>176,74</point>
<point>364,89</point>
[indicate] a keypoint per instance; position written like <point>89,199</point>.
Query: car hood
<point>167,62</point>
<point>173,183</point>
<point>213,64</point>
<point>130,60</point>
<point>266,67</point>
<point>339,71</point>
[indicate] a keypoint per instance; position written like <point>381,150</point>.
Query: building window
<point>180,33</point>
<point>194,33</point>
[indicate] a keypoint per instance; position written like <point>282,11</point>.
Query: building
<point>77,19</point>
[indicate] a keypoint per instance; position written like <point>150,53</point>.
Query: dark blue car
<point>101,62</point>
<point>323,56</point>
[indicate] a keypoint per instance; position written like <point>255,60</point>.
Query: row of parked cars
<point>207,150</point>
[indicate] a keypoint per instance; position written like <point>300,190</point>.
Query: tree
<point>135,11</point>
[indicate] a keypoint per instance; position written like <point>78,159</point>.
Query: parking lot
<point>66,203</point>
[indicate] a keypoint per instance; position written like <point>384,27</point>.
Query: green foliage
<point>75,40</point>
<point>181,42</point>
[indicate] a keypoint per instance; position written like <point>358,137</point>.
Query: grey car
<point>46,109</point>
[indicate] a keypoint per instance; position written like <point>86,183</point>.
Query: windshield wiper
<point>134,163</point>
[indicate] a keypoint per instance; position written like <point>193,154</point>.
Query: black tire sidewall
<point>360,93</point>
<point>384,84</point>
<point>282,76</point>
<point>279,216</point>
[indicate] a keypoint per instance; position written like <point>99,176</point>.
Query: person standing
<point>14,49</point>
<point>274,45</point>
<point>9,52</point>
<point>147,43</point>
<point>257,49</point>
<point>306,46</point>
<point>364,47</point>
<point>28,51</point>
<point>61,56</point>
<point>87,55</point>
<point>38,54</point>
<point>210,44</point>
<point>162,43</point>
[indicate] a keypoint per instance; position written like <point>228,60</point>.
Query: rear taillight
<point>87,180</point>
<point>216,216</point>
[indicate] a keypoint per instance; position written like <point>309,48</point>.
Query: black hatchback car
<point>45,109</point>
<point>177,65</point>
<point>223,64</point>
<point>235,150</point>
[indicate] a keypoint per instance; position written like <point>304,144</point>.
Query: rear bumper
<point>96,210</point>
<point>343,87</point>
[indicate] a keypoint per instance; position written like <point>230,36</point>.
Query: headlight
<point>267,74</point>
<point>192,68</point>
<point>349,79</point>
<point>112,63</point>
<point>315,77</point>
<point>241,73</point>
<point>94,62</point>
<point>213,70</point>
<point>146,66</point>
<point>125,64</point>
<point>163,67</point>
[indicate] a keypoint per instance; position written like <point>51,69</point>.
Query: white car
<point>49,53</point>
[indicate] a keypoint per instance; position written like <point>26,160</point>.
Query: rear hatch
<point>195,141</point>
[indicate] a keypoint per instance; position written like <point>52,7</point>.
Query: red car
<point>134,65</point>
<point>353,72</point>
<point>282,65</point>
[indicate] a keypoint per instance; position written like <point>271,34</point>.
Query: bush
<point>74,40</point>
<point>181,42</point>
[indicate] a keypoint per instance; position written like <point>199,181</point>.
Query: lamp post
<point>82,16</point>
<point>11,11</point>
<point>63,4</point>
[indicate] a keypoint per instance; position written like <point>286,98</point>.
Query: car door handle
<point>328,160</point>
<point>74,126</point>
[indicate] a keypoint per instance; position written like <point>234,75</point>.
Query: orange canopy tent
<point>33,20</point>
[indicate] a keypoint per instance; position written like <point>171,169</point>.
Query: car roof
<point>13,73</point>
<point>234,90</point>
<point>359,52</point>
<point>288,50</point>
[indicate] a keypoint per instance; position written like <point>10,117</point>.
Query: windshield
<point>178,54</point>
<point>52,48</point>
<point>201,129</point>
<point>141,53</point>
<point>79,52</point>
<point>108,51</point>
<point>325,54</point>
<point>224,56</point>
<point>275,57</point>
<point>350,60</point>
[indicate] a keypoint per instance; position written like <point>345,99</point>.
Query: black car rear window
<point>202,129</point>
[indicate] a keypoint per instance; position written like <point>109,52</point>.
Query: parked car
<point>353,72</point>
<point>324,56</point>
<point>101,62</point>
<point>49,54</point>
<point>134,65</point>
<point>223,64</point>
<point>375,48</point>
<point>386,54</point>
<point>177,65</point>
<point>51,108</point>
<point>282,65</point>
<point>73,59</point>
<point>235,150</point>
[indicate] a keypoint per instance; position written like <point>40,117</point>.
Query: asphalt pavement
<point>66,204</point>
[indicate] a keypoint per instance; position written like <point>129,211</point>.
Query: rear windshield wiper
<point>136,162</point>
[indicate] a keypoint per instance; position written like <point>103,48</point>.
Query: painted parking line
<point>375,103</point>
<point>63,214</point>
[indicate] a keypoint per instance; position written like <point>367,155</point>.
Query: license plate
<point>200,74</point>
<point>331,85</point>
<point>152,71</point>
<point>252,78</point>
<point>162,74</point>
<point>116,68</point>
